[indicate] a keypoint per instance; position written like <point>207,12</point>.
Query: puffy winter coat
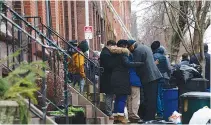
<point>105,76</point>
<point>76,64</point>
<point>120,77</point>
<point>159,55</point>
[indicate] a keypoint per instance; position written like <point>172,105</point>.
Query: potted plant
<point>19,85</point>
<point>76,115</point>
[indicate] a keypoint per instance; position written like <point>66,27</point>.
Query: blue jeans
<point>160,104</point>
<point>119,105</point>
<point>76,78</point>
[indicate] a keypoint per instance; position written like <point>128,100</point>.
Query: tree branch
<point>179,33</point>
<point>207,23</point>
<point>204,14</point>
<point>180,11</point>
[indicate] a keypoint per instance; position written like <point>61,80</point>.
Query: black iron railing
<point>26,37</point>
<point>26,34</point>
<point>91,68</point>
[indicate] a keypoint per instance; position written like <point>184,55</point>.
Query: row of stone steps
<point>77,100</point>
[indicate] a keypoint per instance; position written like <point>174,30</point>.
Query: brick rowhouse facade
<point>68,18</point>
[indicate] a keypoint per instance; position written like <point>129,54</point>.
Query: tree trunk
<point>182,22</point>
<point>196,39</point>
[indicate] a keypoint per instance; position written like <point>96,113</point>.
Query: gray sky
<point>207,35</point>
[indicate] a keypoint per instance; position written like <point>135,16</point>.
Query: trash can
<point>192,102</point>
<point>170,99</point>
<point>194,85</point>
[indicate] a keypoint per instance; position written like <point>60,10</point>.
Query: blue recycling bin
<point>170,99</point>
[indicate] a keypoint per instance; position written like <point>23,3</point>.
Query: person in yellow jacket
<point>76,65</point>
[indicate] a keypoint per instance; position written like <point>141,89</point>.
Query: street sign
<point>88,32</point>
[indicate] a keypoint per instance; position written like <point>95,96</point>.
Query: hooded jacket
<point>159,55</point>
<point>120,77</point>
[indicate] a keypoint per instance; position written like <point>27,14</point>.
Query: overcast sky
<point>207,35</point>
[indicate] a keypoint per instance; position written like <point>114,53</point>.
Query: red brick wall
<point>91,23</point>
<point>18,7</point>
<point>75,19</point>
<point>81,19</point>
<point>42,11</point>
<point>69,21</point>
<point>61,18</point>
<point>68,18</point>
<point>30,8</point>
<point>123,9</point>
<point>53,14</point>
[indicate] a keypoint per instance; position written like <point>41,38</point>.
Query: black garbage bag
<point>185,73</point>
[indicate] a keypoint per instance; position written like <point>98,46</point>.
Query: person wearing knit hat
<point>155,45</point>
<point>122,42</point>
<point>165,70</point>
<point>83,46</point>
<point>135,82</point>
<point>131,44</point>
<point>105,76</point>
<point>76,65</point>
<point>149,74</point>
<point>120,78</point>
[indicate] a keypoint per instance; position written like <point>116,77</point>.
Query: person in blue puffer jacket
<point>134,98</point>
<point>163,66</point>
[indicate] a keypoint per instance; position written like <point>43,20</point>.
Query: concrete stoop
<point>80,101</point>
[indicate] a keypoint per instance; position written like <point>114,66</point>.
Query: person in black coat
<point>105,77</point>
<point>194,60</point>
<point>120,79</point>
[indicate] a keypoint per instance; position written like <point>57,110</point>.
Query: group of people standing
<point>133,76</point>
<point>129,67</point>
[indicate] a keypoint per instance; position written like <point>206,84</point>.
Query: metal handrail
<point>40,33</point>
<point>36,41</point>
<point>58,35</point>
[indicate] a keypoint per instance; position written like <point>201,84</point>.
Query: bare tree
<point>189,12</point>
<point>153,24</point>
<point>177,23</point>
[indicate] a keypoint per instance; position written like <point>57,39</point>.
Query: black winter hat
<point>73,42</point>
<point>155,45</point>
<point>131,42</point>
<point>122,42</point>
<point>83,46</point>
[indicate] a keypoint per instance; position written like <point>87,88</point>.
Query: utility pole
<point>87,17</point>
